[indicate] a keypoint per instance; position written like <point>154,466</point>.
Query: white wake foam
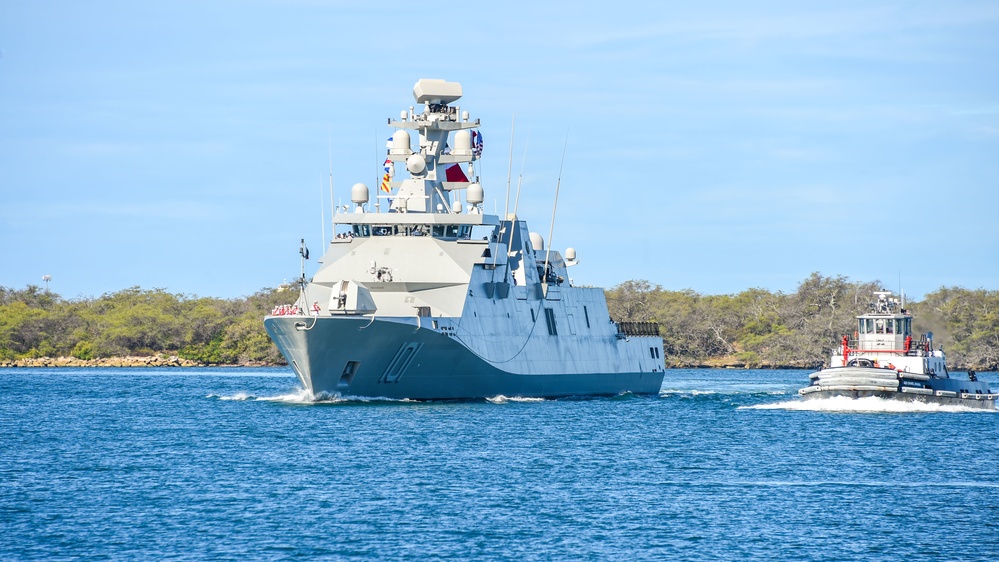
<point>298,396</point>
<point>500,399</point>
<point>304,397</point>
<point>666,392</point>
<point>867,405</point>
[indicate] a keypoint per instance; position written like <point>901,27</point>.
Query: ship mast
<point>428,187</point>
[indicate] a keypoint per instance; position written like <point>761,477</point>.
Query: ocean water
<point>234,464</point>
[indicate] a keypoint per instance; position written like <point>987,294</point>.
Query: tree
<point>965,322</point>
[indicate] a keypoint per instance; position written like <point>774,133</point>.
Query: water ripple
<point>722,465</point>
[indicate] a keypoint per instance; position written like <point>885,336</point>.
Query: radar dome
<point>359,193</point>
<point>537,242</point>
<point>416,164</point>
<point>474,194</point>
<point>462,143</point>
<point>570,257</point>
<point>400,142</point>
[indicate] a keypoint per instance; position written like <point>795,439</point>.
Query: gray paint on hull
<point>440,369</point>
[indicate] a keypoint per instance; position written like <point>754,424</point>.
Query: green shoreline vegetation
<point>756,328</point>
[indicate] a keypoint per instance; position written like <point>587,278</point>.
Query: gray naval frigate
<point>883,360</point>
<point>435,299</point>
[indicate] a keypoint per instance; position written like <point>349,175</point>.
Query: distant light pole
<point>46,278</point>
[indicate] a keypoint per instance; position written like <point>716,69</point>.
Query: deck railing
<point>638,328</point>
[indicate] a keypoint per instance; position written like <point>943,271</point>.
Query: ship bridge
<point>438,225</point>
<point>887,326</point>
<point>883,337</point>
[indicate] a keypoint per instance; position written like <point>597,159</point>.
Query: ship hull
<point>359,356</point>
<point>861,382</point>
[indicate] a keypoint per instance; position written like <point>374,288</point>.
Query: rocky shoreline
<point>130,361</point>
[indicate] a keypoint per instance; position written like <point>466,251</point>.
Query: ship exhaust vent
<point>400,362</point>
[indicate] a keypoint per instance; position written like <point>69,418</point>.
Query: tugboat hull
<point>855,382</point>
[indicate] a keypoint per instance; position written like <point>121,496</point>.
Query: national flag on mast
<point>477,144</point>
<point>455,173</point>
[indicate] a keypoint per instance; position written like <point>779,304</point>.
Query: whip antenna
<point>516,203</point>
<point>322,209</point>
<point>520,178</point>
<point>509,169</point>
<point>558,184</point>
<point>332,206</point>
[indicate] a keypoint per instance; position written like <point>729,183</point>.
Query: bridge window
<point>445,231</point>
<point>452,231</point>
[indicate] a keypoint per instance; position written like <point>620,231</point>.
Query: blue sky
<point>717,147</point>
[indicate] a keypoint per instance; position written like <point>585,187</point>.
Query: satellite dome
<point>416,164</point>
<point>474,194</point>
<point>462,143</point>
<point>537,242</point>
<point>400,142</point>
<point>359,193</point>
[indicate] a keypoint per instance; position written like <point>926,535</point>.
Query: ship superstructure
<point>436,299</point>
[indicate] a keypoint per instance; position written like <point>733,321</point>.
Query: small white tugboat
<point>436,299</point>
<point>884,361</point>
